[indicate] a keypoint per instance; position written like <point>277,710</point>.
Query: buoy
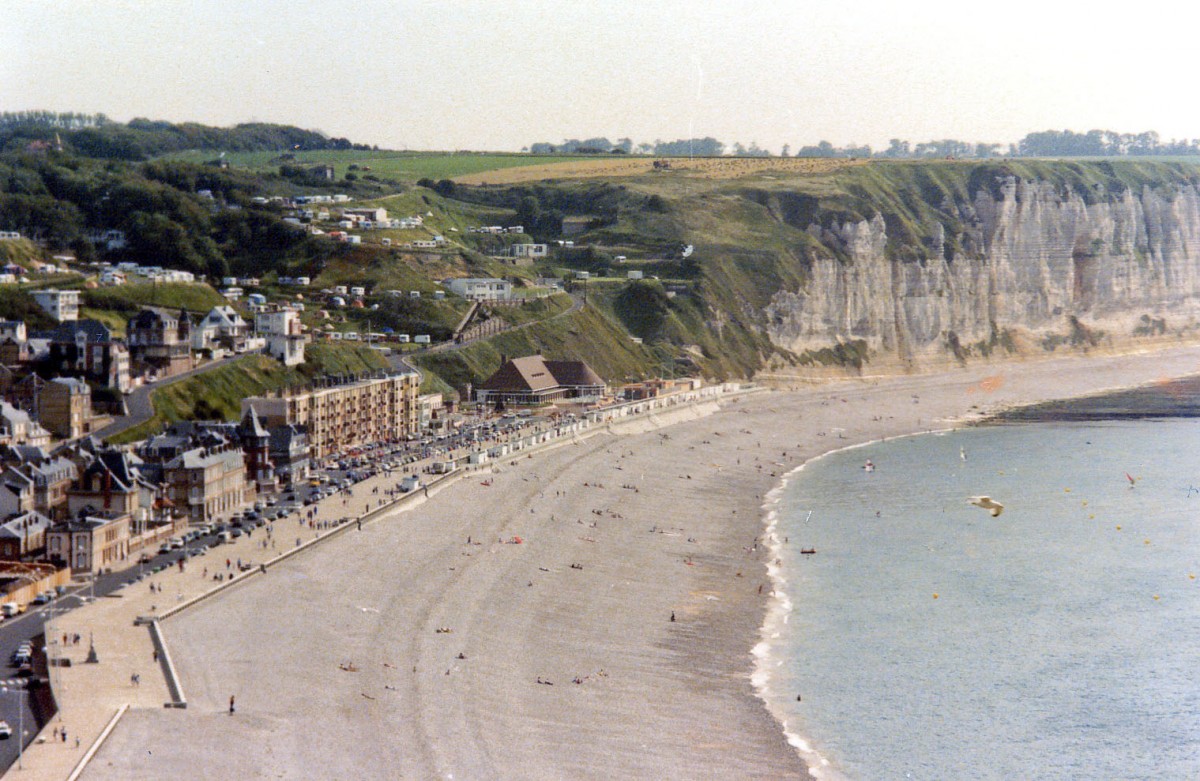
<point>935,596</point>
<point>1145,542</point>
<point>1156,597</point>
<point>1066,490</point>
<point>1118,528</point>
<point>1191,576</point>
<point>1091,516</point>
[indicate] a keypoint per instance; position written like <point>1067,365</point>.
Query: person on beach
<point>231,700</point>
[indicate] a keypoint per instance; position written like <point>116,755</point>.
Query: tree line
<point>94,135</point>
<point>1046,143</point>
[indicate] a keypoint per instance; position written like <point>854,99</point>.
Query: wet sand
<point>342,667</point>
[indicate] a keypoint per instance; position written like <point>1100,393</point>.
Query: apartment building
<point>347,415</point>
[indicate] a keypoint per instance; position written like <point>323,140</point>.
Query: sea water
<point>926,639</point>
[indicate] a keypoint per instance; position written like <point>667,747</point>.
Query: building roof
<point>251,425</point>
<point>94,331</point>
<point>521,374</point>
<point>534,373</point>
<point>22,525</point>
<point>73,384</point>
<point>574,373</point>
<point>202,458</point>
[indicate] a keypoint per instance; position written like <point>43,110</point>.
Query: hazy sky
<point>501,75</point>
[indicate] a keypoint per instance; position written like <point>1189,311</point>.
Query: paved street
<point>138,404</point>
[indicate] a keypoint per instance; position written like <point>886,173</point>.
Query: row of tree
<point>1048,143</point>
<point>94,135</point>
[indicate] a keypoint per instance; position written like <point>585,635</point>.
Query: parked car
<point>5,730</point>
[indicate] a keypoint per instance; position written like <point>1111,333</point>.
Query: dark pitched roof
<point>573,374</point>
<point>95,331</point>
<point>251,425</point>
<point>520,374</point>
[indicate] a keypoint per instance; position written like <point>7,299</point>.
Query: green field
<point>402,166</point>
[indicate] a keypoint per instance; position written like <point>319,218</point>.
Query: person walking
<point>231,708</point>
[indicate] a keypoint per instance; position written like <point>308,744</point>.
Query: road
<point>16,690</point>
<point>138,402</point>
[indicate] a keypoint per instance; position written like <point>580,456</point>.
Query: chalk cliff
<point>1005,258</point>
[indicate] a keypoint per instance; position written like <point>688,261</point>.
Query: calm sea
<point>929,640</point>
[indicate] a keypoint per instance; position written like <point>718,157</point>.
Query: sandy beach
<point>587,613</point>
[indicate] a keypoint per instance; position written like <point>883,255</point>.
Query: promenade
<point>92,698</point>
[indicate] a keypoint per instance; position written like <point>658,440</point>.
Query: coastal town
<point>81,517</point>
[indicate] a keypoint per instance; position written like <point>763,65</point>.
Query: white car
<point>5,730</point>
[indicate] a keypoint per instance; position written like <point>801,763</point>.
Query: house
<point>160,343</point>
<point>372,214</point>
<point>284,334</point>
<point>23,535</point>
<point>534,380</point>
<point>108,482</point>
<point>65,407</point>
<point>532,251</point>
<point>62,305</point>
<point>86,349</point>
<point>13,329</point>
<point>221,327</point>
<point>480,289</point>
<point>52,478</point>
<point>91,542</point>
<point>18,428</point>
<point>207,482</point>
<point>16,492</point>
<point>289,452</point>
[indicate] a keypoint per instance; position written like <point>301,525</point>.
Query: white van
<point>224,537</point>
<point>10,609</point>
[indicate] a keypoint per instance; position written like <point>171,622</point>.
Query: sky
<point>500,75</point>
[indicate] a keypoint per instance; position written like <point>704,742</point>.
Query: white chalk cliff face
<point>1027,259</point>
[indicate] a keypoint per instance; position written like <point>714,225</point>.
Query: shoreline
<point>655,697</point>
<point>1050,408</point>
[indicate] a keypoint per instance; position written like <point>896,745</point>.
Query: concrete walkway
<point>90,696</point>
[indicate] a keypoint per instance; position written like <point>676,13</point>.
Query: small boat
<point>808,551</point>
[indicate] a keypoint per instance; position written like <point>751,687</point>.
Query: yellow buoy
<point>1156,597</point>
<point>1066,490</point>
<point>1085,502</point>
<point>1118,528</point>
<point>1191,576</point>
<point>1145,542</point>
<point>1091,516</point>
<point>935,596</point>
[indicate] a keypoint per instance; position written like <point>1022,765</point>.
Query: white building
<point>480,289</point>
<point>222,325</point>
<point>528,250</point>
<point>62,305</point>
<point>285,337</point>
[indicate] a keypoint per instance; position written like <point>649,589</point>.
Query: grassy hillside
<point>218,394</point>
<point>197,297</point>
<point>588,334</point>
